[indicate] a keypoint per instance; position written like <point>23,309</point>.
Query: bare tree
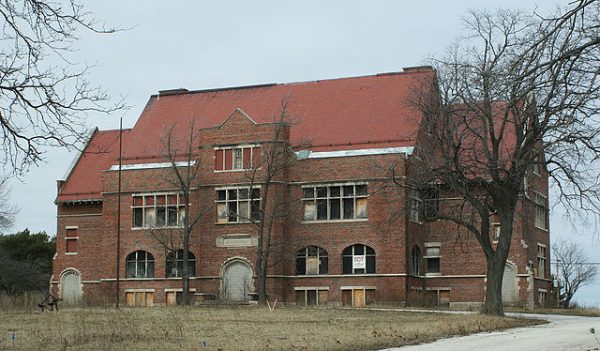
<point>277,158</point>
<point>44,96</point>
<point>185,162</point>
<point>518,91</point>
<point>7,211</point>
<point>573,270</point>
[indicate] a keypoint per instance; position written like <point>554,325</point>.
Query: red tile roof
<point>84,182</point>
<point>347,113</point>
<point>337,114</point>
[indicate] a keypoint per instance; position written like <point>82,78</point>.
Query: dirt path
<point>562,333</point>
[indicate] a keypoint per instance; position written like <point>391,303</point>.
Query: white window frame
<point>364,257</point>
<point>307,201</point>
<point>496,230</point>
<point>542,295</point>
<point>174,291</point>
<point>180,205</point>
<point>176,260</point>
<point>69,238</point>
<point>140,291</point>
<point>145,262</point>
<point>316,289</point>
<point>224,217</point>
<point>415,204</point>
<point>541,211</point>
<point>426,256</point>
<point>233,149</point>
<point>536,167</point>
<point>415,262</point>
<point>317,259</point>
<point>364,294</point>
<point>541,261</point>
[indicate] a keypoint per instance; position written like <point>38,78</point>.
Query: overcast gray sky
<point>207,44</point>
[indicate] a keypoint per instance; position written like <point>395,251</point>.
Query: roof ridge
<point>184,91</point>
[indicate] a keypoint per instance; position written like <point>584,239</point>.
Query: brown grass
<point>236,328</point>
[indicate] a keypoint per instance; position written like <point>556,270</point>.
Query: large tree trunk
<point>496,262</point>
<point>493,288</point>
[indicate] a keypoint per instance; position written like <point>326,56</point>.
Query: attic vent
<point>172,91</point>
<point>417,68</point>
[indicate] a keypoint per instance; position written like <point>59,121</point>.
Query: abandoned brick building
<point>349,237</point>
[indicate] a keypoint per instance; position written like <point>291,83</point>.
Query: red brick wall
<point>387,229</point>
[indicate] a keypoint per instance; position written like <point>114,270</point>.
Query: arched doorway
<point>509,285</point>
<point>70,287</point>
<point>237,281</point>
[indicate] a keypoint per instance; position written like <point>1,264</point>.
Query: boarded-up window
<point>312,265</point>
<point>300,297</point>
<point>347,297</point>
<point>237,158</point>
<point>444,297</point>
<point>369,296</point>
<point>176,297</point>
<point>247,158</point>
<point>71,239</point>
<point>358,297</point>
<point>219,161</point>
<point>71,245</point>
<point>311,296</point>
<point>323,297</point>
<point>139,298</point>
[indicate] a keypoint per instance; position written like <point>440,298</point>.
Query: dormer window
<point>236,158</point>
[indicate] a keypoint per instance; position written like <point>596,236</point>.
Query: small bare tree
<point>7,211</point>
<point>277,158</point>
<point>185,162</point>
<point>574,271</point>
<point>44,95</point>
<point>518,92</point>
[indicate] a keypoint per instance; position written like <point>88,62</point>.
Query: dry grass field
<point>232,328</point>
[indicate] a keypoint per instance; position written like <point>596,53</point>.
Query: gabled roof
<point>330,115</point>
<point>84,182</point>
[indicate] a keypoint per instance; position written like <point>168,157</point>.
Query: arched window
<point>175,264</point>
<point>358,259</point>
<point>415,261</point>
<point>311,260</point>
<point>140,264</point>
